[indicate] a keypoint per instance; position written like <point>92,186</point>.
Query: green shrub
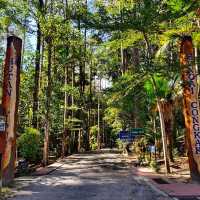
<point>94,146</point>
<point>119,144</point>
<point>93,137</point>
<point>29,145</point>
<point>154,165</point>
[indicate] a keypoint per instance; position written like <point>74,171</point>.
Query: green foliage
<point>94,146</point>
<point>119,144</point>
<point>139,147</point>
<point>121,103</point>
<point>154,165</point>
<point>26,87</point>
<point>113,118</point>
<point>149,133</point>
<point>72,91</point>
<point>161,89</point>
<point>131,44</point>
<point>93,137</point>
<point>126,39</point>
<point>29,145</point>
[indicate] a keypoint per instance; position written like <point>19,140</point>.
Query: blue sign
<point>2,124</point>
<point>130,135</point>
<point>152,148</point>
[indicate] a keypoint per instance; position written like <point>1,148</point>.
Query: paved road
<point>103,176</point>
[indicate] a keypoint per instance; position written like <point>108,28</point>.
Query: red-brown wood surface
<point>10,105</point>
<point>191,105</point>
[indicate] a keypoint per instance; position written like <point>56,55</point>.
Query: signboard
<point>2,124</point>
<point>130,135</point>
<point>137,131</point>
<point>152,148</point>
<point>191,104</point>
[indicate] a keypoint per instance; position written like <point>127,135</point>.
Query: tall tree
<point>40,9</point>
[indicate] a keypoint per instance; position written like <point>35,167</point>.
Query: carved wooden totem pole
<point>191,105</point>
<point>10,106</point>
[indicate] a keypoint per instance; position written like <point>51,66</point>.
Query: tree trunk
<point>48,104</point>
<point>73,133</point>
<point>98,118</point>
<point>164,139</point>
<point>162,125</point>
<point>37,77</point>
<point>37,71</point>
<point>168,119</point>
<point>79,140</point>
<point>65,140</point>
<point>82,63</point>
<point>154,130</point>
<point>89,107</point>
<point>98,134</point>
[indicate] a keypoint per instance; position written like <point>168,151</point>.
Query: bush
<point>93,137</point>
<point>154,165</point>
<point>119,144</point>
<point>29,145</point>
<point>94,146</point>
<point>140,148</point>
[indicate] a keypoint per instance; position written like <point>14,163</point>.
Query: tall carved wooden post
<point>191,105</point>
<point>10,105</point>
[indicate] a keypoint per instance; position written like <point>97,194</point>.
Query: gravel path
<point>102,176</point>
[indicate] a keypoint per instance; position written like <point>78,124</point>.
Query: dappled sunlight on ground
<point>104,176</point>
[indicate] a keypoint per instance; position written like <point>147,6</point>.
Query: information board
<point>2,124</point>
<point>130,135</point>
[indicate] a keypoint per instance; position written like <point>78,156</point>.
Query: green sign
<point>137,130</point>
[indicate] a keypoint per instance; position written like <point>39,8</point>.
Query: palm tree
<point>159,93</point>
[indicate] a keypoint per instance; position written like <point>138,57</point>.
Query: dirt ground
<point>179,169</point>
